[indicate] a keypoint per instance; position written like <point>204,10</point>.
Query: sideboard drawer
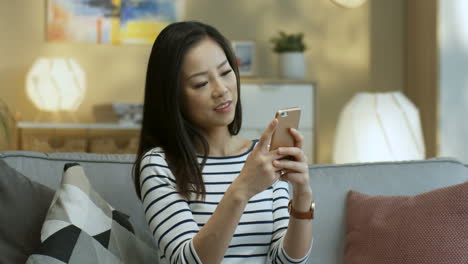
<point>111,141</point>
<point>94,138</point>
<point>53,140</point>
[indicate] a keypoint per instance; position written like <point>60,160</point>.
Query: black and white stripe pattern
<point>174,221</point>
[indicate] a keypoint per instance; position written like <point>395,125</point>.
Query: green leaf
<point>4,121</point>
<point>284,42</point>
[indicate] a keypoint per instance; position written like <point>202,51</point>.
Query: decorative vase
<point>292,65</point>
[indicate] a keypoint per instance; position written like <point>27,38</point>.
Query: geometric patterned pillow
<point>81,227</point>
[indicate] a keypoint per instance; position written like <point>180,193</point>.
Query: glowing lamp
<point>378,127</point>
<point>56,84</point>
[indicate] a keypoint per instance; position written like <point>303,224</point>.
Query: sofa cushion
<point>24,205</point>
<point>431,227</point>
<point>81,227</point>
<point>331,184</point>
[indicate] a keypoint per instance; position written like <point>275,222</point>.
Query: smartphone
<point>287,118</point>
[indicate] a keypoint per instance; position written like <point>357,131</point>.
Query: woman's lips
<point>224,107</point>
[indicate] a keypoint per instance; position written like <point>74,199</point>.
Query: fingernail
<point>280,150</point>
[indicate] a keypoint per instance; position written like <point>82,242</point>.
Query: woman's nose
<point>219,89</point>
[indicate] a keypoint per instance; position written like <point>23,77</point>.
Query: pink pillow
<point>431,227</point>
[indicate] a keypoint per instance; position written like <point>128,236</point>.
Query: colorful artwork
<point>110,21</point>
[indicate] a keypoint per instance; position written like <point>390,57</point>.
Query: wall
<point>422,66</point>
<point>114,73</point>
<point>387,45</point>
<point>346,48</point>
<point>453,79</point>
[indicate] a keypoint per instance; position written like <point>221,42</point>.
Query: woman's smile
<point>224,107</point>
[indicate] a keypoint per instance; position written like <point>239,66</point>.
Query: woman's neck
<point>222,143</point>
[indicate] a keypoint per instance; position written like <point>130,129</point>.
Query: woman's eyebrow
<point>222,64</point>
<point>205,72</point>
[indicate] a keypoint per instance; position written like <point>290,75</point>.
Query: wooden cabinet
<point>260,100</point>
<point>94,138</point>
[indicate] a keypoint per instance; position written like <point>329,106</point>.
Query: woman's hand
<point>258,172</point>
<point>295,170</point>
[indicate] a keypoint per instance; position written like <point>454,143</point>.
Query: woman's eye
<point>200,85</point>
<point>226,72</point>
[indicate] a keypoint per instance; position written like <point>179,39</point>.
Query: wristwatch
<point>302,215</point>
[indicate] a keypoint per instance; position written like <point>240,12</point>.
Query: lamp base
<point>56,117</point>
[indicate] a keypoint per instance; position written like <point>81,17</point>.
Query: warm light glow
<point>56,84</point>
<point>378,127</point>
<point>349,3</point>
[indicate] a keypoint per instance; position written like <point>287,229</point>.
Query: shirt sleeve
<point>276,252</point>
<point>167,212</point>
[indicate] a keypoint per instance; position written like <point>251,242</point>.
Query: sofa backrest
<point>110,175</point>
<point>331,183</point>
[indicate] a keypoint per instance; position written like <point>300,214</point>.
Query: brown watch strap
<point>301,215</point>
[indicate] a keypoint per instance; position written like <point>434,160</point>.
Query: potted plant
<point>290,48</point>
<point>6,122</point>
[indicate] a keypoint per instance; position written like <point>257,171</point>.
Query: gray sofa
<point>110,176</point>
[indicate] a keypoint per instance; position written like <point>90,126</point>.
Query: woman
<point>209,195</point>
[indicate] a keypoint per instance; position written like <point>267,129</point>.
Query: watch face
<point>349,3</point>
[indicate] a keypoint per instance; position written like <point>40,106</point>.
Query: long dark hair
<point>164,125</point>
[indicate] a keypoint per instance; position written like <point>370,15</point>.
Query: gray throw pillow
<point>24,204</point>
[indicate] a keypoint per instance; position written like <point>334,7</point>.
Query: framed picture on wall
<point>245,53</point>
<point>110,22</point>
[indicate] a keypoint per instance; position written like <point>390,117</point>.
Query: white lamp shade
<point>378,127</point>
<point>349,3</point>
<point>56,84</point>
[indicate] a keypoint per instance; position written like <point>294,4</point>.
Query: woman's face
<point>209,86</point>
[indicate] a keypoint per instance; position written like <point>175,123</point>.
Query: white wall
<point>453,79</point>
<point>339,55</point>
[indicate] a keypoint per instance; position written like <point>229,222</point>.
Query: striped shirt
<point>174,220</point>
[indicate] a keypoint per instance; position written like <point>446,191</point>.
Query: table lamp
<point>378,127</point>
<point>56,84</point>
